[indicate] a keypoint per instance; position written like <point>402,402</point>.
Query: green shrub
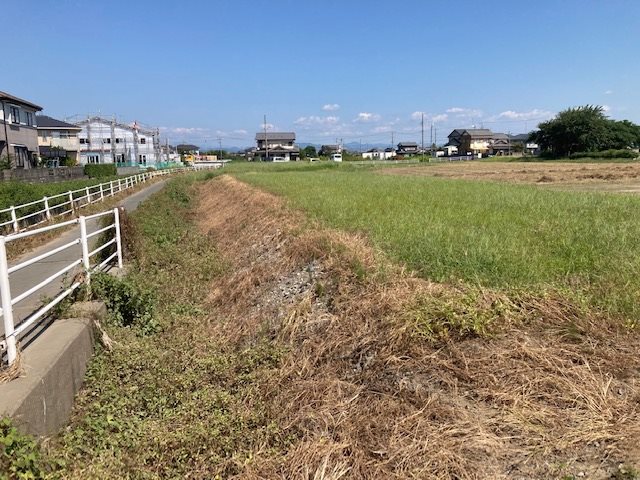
<point>128,304</point>
<point>100,170</point>
<point>19,454</point>
<point>606,154</point>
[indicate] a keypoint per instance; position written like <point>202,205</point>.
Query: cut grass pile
<point>487,234</point>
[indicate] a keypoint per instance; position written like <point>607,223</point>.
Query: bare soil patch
<point>384,378</point>
<point>617,177</point>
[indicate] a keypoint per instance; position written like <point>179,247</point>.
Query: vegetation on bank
<point>493,235</point>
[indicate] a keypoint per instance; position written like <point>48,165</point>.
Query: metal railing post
<point>84,242</point>
<point>111,187</point>
<point>7,309</point>
<point>119,185</point>
<point>14,219</point>
<point>116,221</point>
<point>101,193</point>
<point>88,195</point>
<point>71,204</point>
<point>47,212</point>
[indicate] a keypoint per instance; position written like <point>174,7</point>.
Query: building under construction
<point>102,140</point>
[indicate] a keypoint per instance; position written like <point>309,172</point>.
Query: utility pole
<point>431,141</point>
<point>266,144</point>
<point>220,145</point>
<point>422,126</point>
<point>435,139</point>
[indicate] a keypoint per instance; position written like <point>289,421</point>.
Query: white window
<point>93,158</point>
<point>142,159</point>
<point>106,140</point>
<point>143,140</point>
<point>84,141</point>
<point>119,157</point>
<point>14,114</point>
<point>28,118</point>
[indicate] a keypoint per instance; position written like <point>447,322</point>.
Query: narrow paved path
<point>24,279</point>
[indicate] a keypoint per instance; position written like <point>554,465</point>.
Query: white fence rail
<point>18,218</point>
<point>84,260</point>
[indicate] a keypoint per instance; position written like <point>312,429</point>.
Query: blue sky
<point>356,70</point>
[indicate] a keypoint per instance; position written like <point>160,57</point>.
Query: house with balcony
<point>377,154</point>
<point>103,140</point>
<point>276,146</point>
<point>57,140</point>
<point>18,132</point>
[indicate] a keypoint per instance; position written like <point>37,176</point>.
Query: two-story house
<point>478,141</point>
<point>18,132</point>
<point>407,148</point>
<point>272,146</point>
<point>106,141</point>
<point>57,140</point>
<point>326,150</point>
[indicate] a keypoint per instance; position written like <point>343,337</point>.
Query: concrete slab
<point>41,400</point>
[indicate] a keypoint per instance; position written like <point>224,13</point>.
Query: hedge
<point>97,170</point>
<point>605,154</point>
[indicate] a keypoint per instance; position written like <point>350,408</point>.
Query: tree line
<point>585,129</point>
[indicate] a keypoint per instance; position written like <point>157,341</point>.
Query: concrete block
<point>40,402</point>
<point>92,310</point>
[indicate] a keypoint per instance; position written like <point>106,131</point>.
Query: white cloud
<point>464,112</point>
<point>331,107</point>
<point>443,117</point>
<point>606,108</point>
<point>316,120</point>
<point>240,131</point>
<point>535,114</point>
<point>417,115</point>
<point>365,117</point>
<point>608,92</point>
<point>270,126</point>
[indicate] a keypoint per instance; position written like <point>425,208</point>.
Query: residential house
<point>500,144</point>
<point>279,146</point>
<point>478,141</point>
<point>376,154</point>
<point>18,132</point>
<point>524,146</point>
<point>57,140</point>
<point>330,149</point>
<point>407,149</point>
<point>106,141</point>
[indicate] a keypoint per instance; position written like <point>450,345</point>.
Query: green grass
<point>18,193</point>
<point>483,233</point>
<point>172,401</point>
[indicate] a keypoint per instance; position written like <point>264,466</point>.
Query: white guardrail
<point>88,266</point>
<point>20,217</point>
<point>68,205</point>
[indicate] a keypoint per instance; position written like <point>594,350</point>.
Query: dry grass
<point>391,376</point>
<point>16,370</point>
<point>622,177</point>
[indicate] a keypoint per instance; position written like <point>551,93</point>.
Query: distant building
<point>276,146</point>
<point>478,141</point>
<point>57,140</point>
<point>407,148</point>
<point>330,149</point>
<point>18,132</point>
<point>527,147</point>
<point>377,154</point>
<point>106,141</point>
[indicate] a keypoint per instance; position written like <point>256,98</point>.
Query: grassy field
<point>485,233</point>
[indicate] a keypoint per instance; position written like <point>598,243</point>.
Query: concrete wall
<point>128,170</point>
<point>43,175</point>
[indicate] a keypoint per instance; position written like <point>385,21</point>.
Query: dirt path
<point>611,177</point>
<point>384,375</point>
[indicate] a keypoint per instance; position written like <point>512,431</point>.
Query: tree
<point>186,148</point>
<point>584,129</point>
<point>309,151</point>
